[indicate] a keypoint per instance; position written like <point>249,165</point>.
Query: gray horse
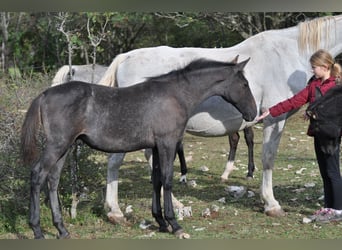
<point>278,69</point>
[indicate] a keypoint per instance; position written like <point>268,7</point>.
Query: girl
<point>327,73</point>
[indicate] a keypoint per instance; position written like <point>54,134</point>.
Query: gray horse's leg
<point>115,214</point>
<point>249,138</point>
<point>75,153</point>
<point>272,135</point>
<point>53,181</point>
<point>233,143</point>
<point>183,166</point>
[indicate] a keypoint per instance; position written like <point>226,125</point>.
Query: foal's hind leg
<point>53,181</point>
<point>38,176</point>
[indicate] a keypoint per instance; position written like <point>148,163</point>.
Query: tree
<point>96,36</point>
<point>5,18</point>
<point>70,35</point>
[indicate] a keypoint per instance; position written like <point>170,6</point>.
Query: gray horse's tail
<point>109,78</point>
<point>29,132</point>
<point>60,75</point>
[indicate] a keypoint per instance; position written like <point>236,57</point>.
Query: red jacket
<point>307,95</point>
<point>304,96</point>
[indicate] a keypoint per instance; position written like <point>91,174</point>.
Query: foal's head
<point>231,84</point>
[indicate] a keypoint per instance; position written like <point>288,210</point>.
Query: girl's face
<point>320,71</point>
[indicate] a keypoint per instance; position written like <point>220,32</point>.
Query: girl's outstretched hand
<point>263,115</point>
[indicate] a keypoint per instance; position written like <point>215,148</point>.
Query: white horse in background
<point>278,69</point>
<point>85,73</point>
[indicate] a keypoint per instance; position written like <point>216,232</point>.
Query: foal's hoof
<point>64,236</point>
<point>276,213</point>
<point>41,237</point>
<point>167,229</point>
<point>180,234</point>
<point>249,178</point>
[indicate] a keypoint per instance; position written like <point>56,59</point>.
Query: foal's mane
<point>197,64</point>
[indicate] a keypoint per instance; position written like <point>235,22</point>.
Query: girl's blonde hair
<point>324,58</point>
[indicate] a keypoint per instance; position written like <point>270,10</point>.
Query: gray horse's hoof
<point>276,213</point>
<point>120,220</point>
<point>223,180</point>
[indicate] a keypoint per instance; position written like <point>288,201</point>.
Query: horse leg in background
<point>270,144</point>
<point>183,167</point>
<point>75,192</point>
<point>148,155</point>
<point>233,143</point>
<point>249,138</point>
<point>115,214</point>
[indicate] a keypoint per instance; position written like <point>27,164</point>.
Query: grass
<point>238,218</point>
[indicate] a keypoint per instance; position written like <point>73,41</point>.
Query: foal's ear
<point>241,65</point>
<point>235,60</point>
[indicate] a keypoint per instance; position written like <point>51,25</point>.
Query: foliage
<point>37,41</point>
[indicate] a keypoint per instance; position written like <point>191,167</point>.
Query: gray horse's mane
<point>314,33</point>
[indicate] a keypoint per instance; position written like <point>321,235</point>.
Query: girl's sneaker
<point>327,215</point>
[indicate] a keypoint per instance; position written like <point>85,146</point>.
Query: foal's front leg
<point>148,155</point>
<point>167,174</point>
<point>157,184</point>
<point>166,158</point>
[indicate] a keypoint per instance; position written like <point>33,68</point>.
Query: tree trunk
<point>5,16</point>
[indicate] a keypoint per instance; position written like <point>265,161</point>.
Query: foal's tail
<point>109,78</point>
<point>29,132</point>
